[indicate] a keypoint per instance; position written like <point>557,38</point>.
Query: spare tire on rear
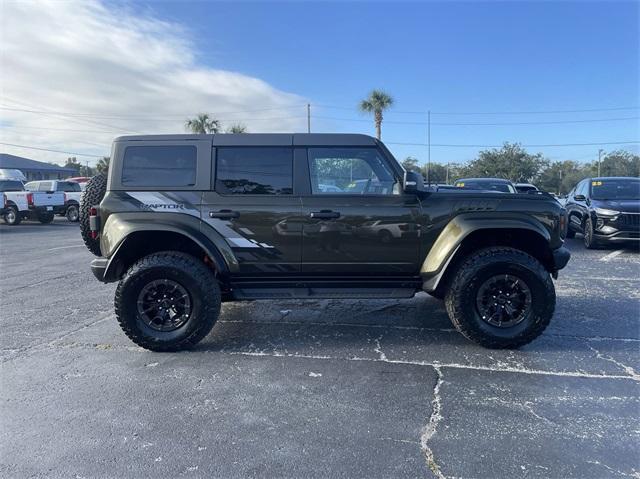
<point>91,196</point>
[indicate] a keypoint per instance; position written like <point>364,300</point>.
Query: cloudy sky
<point>75,74</point>
<point>562,78</point>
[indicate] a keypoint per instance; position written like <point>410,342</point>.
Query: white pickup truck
<point>18,204</point>
<point>71,191</point>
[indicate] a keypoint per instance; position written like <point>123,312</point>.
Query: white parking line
<point>612,255</point>
<point>65,247</point>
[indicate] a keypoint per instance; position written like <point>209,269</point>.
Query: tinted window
<point>159,166</point>
<point>486,185</point>
<point>11,185</point>
<point>618,189</point>
<point>68,186</point>
<point>350,171</point>
<point>254,171</point>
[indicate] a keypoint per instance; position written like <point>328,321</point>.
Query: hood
<point>624,206</point>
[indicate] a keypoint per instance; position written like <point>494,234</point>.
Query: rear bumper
<point>561,257</point>
<point>99,268</point>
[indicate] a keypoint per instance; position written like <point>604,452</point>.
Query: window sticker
<point>596,183</point>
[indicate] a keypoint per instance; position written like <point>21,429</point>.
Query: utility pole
<point>447,181</point>
<point>429,147</point>
<point>308,118</point>
<point>600,152</point>
<point>560,183</point>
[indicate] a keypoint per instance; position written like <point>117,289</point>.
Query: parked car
<point>526,188</point>
<point>71,190</point>
<point>495,185</point>
<point>18,204</point>
<point>81,180</point>
<point>184,222</point>
<point>605,210</point>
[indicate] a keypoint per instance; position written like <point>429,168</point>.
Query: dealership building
<point>35,170</point>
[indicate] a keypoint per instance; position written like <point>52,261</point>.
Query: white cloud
<point>129,73</point>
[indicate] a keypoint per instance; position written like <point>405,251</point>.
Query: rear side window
<point>45,186</point>
<point>159,166</point>
<point>254,171</point>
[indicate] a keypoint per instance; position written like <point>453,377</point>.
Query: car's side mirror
<point>413,182</point>
<point>580,198</point>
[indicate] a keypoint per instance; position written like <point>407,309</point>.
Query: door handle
<point>224,214</point>
<point>324,215</point>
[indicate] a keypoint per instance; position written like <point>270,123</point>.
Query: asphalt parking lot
<point>312,388</point>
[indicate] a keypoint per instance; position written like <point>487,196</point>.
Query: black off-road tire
<point>46,218</point>
<point>193,275</point>
<point>460,299</point>
<point>72,213</point>
<point>91,196</point>
<point>13,217</point>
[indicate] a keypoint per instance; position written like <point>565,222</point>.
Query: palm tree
<point>377,102</point>
<point>237,128</point>
<point>102,166</point>
<point>202,124</point>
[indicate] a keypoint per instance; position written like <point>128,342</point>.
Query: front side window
<point>350,171</point>
<point>254,170</point>
<point>159,166</point>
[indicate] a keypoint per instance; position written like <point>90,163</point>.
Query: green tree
<point>437,173</point>
<point>510,162</point>
<point>620,163</point>
<point>410,163</point>
<point>202,124</point>
<point>377,102</point>
<point>237,128</point>
<point>102,166</point>
<point>72,162</point>
<point>561,176</point>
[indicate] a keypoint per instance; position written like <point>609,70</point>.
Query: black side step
<point>321,293</point>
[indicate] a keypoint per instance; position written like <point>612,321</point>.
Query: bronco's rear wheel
<point>167,301</point>
<point>91,196</point>
<point>501,298</point>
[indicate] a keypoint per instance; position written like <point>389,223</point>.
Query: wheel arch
<point>462,236</point>
<point>129,240</point>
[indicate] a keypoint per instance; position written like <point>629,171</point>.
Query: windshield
<point>11,185</point>
<point>618,189</point>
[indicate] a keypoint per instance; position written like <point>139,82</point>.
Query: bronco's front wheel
<point>167,301</point>
<point>501,298</point>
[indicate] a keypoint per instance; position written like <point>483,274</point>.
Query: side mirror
<point>580,198</point>
<point>413,182</point>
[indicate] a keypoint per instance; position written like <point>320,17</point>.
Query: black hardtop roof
<point>265,139</point>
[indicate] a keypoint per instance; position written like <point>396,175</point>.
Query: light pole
<point>600,152</point>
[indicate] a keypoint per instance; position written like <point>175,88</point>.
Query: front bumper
<point>561,257</point>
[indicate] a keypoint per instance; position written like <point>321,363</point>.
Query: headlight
<point>606,212</point>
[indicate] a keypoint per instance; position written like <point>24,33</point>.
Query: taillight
<point>93,222</point>
<point>30,199</point>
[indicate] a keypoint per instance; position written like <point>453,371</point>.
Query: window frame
<point>383,156</point>
<point>203,165</point>
<point>214,172</point>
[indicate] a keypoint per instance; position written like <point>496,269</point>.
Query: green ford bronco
<point>185,222</point>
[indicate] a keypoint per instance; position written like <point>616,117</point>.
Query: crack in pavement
<point>628,369</point>
<point>432,425</point>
